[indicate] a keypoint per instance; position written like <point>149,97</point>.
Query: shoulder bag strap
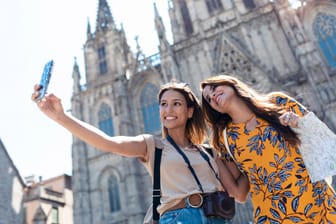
<point>227,145</point>
<point>206,158</point>
<point>229,151</point>
<point>156,183</point>
<point>186,160</point>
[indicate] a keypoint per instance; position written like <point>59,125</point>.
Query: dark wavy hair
<point>196,126</point>
<point>260,104</point>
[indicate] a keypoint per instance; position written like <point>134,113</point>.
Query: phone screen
<point>45,78</point>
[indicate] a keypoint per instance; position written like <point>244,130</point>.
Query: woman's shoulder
<point>280,98</point>
<point>158,142</point>
<point>283,100</point>
<point>153,141</point>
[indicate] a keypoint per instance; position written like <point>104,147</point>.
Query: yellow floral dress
<point>281,190</point>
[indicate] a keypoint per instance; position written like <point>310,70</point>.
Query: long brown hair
<point>260,104</point>
<point>196,126</point>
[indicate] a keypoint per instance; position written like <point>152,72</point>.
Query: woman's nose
<point>169,108</point>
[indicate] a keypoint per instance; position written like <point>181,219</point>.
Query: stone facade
<point>11,190</point>
<point>266,43</point>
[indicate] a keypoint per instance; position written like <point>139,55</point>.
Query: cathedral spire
<point>160,28</point>
<point>76,77</point>
<point>104,16</point>
<point>123,34</point>
<point>166,52</point>
<point>88,30</point>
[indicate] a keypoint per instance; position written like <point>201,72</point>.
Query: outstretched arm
<point>235,182</point>
<point>51,106</point>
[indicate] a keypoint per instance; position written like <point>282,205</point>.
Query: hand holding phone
<point>45,79</point>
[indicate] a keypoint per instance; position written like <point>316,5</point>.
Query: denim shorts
<point>190,215</point>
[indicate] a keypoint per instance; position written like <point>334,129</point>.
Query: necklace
<point>245,122</point>
<point>250,118</point>
<point>249,126</point>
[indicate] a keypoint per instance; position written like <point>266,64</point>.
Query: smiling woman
<point>258,131</point>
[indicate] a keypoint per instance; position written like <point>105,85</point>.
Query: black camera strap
<point>156,194</point>
<point>206,157</point>
<point>186,160</point>
<point>203,154</point>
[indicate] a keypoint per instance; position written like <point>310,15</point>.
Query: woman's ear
<point>190,112</point>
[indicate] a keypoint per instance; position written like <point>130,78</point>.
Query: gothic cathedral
<point>267,43</point>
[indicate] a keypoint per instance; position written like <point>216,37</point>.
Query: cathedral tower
<point>118,97</point>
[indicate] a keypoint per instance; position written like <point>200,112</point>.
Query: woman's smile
<point>170,118</point>
<point>218,98</point>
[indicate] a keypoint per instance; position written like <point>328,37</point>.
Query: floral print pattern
<point>281,190</point>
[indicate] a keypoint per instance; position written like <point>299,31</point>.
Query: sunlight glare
<point>296,3</point>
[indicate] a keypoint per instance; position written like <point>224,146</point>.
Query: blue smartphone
<point>45,78</point>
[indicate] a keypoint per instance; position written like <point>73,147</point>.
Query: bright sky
<point>33,32</point>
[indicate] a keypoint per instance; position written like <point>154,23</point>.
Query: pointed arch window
<point>188,27</point>
<point>105,121</point>
<point>214,5</point>
<point>249,4</point>
<point>113,192</point>
<point>325,32</point>
<point>150,108</point>
<point>102,60</point>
